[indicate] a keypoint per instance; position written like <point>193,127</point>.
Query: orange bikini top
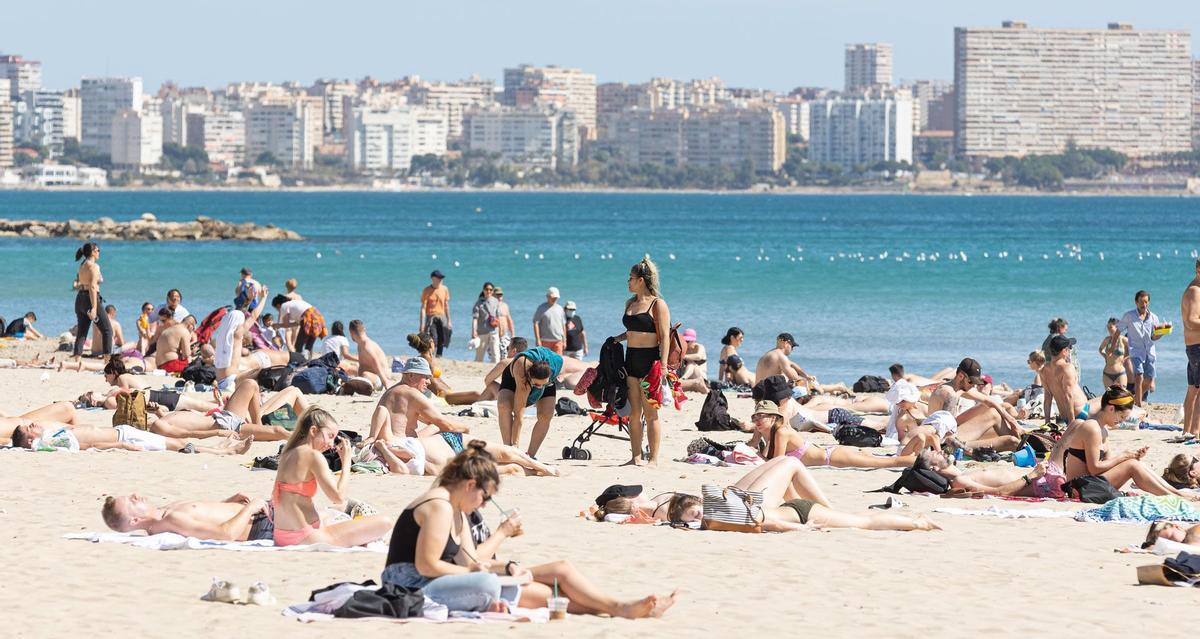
<point>306,489</point>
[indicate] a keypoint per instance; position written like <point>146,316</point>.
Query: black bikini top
<point>640,322</point>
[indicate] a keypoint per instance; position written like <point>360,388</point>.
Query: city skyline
<point>666,40</point>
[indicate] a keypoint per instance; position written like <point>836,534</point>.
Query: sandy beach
<point>980,575</point>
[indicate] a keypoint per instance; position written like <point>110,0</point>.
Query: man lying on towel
<point>239,518</point>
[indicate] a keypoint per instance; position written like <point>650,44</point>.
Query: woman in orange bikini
<point>302,468</point>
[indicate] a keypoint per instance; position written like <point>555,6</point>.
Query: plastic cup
<point>558,608</point>
<point>1025,457</point>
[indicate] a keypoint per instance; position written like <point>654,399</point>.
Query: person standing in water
<point>89,304</point>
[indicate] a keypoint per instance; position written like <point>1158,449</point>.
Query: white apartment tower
<point>1022,90</point>
<point>136,139</point>
<point>23,75</point>
<point>1196,103</point>
<point>704,136</point>
<point>537,137</point>
<point>387,140</point>
<point>569,89</point>
<point>868,65</point>
<point>101,99</point>
<point>453,99</point>
<point>288,128</point>
<point>333,94</point>
<point>6,126</point>
<point>72,113</point>
<point>861,131</point>
<point>221,135</point>
<point>41,121</point>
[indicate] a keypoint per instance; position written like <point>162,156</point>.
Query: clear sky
<point>776,44</point>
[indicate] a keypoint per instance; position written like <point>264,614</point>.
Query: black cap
<point>972,370</point>
<point>774,388</point>
<point>786,337</point>
<point>246,271</point>
<point>1060,343</point>
<point>438,274</point>
<point>617,490</point>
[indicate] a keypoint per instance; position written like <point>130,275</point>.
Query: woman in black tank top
<point>646,320</point>
<point>432,549</point>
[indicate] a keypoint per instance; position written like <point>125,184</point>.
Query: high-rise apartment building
<point>23,75</point>
<point>1022,90</point>
<point>72,115</point>
<point>100,100</point>
<point>136,138</point>
<point>797,115</point>
<point>221,135</point>
<point>569,89</point>
<point>41,121</point>
<point>1196,103</point>
<point>387,140</point>
<point>454,98</point>
<point>861,131</point>
<point>868,65</point>
<point>704,136</point>
<point>333,94</point>
<point>288,128</point>
<point>925,96</point>
<point>6,126</point>
<point>538,137</point>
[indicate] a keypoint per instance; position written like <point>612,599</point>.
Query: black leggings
<point>83,304</point>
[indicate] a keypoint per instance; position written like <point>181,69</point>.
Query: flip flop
<point>222,592</point>
<point>259,595</point>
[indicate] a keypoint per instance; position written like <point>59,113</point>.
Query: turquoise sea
<point>861,281</point>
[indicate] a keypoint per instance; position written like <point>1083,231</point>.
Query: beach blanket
<point>172,541</point>
<point>1149,426</point>
<point>324,603</point>
<point>1142,509</point>
<point>1008,513</point>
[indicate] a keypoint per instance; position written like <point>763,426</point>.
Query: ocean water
<point>861,281</point>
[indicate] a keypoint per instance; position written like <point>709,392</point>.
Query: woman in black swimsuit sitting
<point>432,549</point>
<point>647,321</point>
<point>1083,449</point>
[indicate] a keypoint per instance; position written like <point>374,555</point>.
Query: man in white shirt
<point>1139,325</point>
<point>550,323</point>
<point>174,302</point>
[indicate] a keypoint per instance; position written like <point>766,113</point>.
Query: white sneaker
<point>223,592</point>
<point>259,595</point>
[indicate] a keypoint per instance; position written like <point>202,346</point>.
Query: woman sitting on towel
<point>1083,449</point>
<point>793,501</point>
<point>302,467</point>
<point>783,440</point>
<point>432,549</point>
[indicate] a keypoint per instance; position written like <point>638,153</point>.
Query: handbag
<point>732,509</point>
<point>1092,489</point>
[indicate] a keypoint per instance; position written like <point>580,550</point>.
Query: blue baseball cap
<point>419,366</point>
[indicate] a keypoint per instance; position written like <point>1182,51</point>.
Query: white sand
<point>979,576</point>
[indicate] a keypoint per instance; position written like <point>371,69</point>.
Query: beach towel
<point>172,541</point>
<point>1142,509</point>
<point>324,603</point>
<point>1008,513</point>
<point>222,338</point>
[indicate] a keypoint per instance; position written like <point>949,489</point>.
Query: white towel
<point>172,541</point>
<point>222,338</point>
<point>1009,513</point>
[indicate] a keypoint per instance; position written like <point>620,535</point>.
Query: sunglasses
<point>486,495</point>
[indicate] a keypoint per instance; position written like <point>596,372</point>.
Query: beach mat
<point>172,541</point>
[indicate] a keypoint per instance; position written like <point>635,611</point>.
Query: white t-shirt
<point>334,344</point>
<point>181,313</point>
<point>290,312</point>
<point>223,336</point>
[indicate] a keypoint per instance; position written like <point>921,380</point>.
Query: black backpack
<point>918,479</point>
<point>275,378</point>
<point>871,384</point>
<point>567,406</point>
<point>714,414</point>
<point>331,454</point>
<point>397,602</point>
<point>1092,489</point>
<point>198,373</point>
<point>609,385</point>
<point>859,436</point>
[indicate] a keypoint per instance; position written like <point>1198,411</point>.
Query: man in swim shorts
<point>174,344</point>
<point>1138,325</point>
<point>404,407</point>
<point>1190,310</point>
<point>1061,381</point>
<point>428,455</point>
<point>776,362</point>
<point>238,518</point>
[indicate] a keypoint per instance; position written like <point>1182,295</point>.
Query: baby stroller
<point>606,387</point>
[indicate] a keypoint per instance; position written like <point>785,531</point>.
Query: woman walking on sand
<point>89,306</point>
<point>647,321</point>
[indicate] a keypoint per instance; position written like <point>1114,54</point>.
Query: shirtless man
<point>403,407</point>
<point>239,518</point>
<point>429,454</point>
<point>983,421</point>
<point>776,362</point>
<point>491,381</point>
<point>228,338</point>
<point>63,412</point>
<point>68,437</point>
<point>1190,310</point>
<point>174,345</point>
<point>1062,382</point>
<point>242,414</point>
<point>372,361</point>
<point>996,479</point>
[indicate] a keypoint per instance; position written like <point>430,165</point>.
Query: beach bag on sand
<point>871,384</point>
<point>732,509</point>
<point>859,436</point>
<point>313,380</point>
<point>199,373</point>
<point>714,414</point>
<point>918,479</point>
<point>567,406</point>
<point>275,378</point>
<point>1092,489</point>
<point>396,602</point>
<point>131,410</point>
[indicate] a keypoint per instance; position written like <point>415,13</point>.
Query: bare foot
<point>551,471</point>
<point>634,462</point>
<point>652,606</point>
<point>925,523</point>
<point>242,446</point>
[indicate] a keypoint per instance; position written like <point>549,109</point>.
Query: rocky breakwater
<point>147,227</point>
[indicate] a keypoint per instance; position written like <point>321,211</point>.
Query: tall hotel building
<point>1023,90</point>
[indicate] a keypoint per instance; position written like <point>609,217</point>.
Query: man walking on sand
<point>1190,308</point>
<point>435,312</point>
<point>1139,325</point>
<point>550,323</point>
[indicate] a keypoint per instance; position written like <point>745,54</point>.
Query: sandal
<point>222,592</point>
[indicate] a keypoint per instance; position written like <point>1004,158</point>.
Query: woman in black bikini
<point>89,306</point>
<point>1115,350</point>
<point>1083,449</point>
<point>432,549</point>
<point>732,369</point>
<point>647,320</point>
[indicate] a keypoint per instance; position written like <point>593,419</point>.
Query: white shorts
<point>148,441</point>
